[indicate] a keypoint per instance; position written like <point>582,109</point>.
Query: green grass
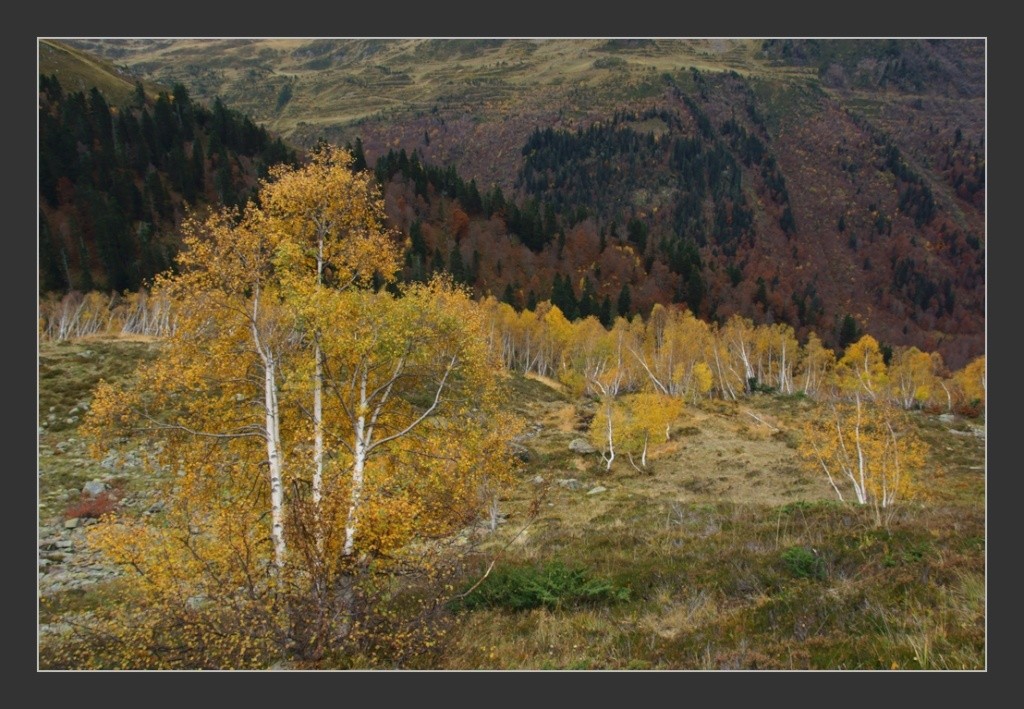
<point>68,373</point>
<point>554,585</point>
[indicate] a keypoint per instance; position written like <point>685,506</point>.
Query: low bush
<point>553,585</point>
<point>803,563</point>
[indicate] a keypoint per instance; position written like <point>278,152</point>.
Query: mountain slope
<point>116,180</point>
<point>816,182</point>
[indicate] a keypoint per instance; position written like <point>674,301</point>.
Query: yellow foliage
<point>866,449</point>
<point>244,564</point>
<point>971,380</point>
<point>861,368</point>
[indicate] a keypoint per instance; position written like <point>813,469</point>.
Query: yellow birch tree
<point>866,449</point>
<point>284,527</point>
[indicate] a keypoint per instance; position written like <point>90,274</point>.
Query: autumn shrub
<point>971,409</point>
<point>93,506</point>
<point>554,585</point>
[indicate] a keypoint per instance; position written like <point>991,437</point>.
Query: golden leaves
<point>867,450</point>
<point>270,309</point>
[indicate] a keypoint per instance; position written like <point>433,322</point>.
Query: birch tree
<point>288,516</point>
<point>329,220</point>
<point>866,450</point>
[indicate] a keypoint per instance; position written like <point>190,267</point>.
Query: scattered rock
<point>947,418</point>
<point>64,544</point>
<point>86,354</point>
<point>524,454</point>
<point>537,480</point>
<point>597,490</point>
<point>569,483</point>
<point>94,488</point>
<point>70,524</point>
<point>582,446</point>
<point>55,628</point>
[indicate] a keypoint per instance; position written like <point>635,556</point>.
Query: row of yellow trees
<point>643,372</point>
<point>313,433</point>
<point>674,353</point>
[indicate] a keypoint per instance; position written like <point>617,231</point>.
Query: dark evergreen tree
<point>139,96</point>
<point>531,301</point>
<point>183,111</point>
<point>359,162</point>
<point>848,331</point>
<point>456,266</point>
<point>588,299</point>
<point>52,275</point>
<point>625,301</point>
<point>761,295</point>
<point>605,314</point>
<point>786,221</point>
<point>417,244</point>
<point>564,298</point>
<point>509,296</point>
<point>198,167</point>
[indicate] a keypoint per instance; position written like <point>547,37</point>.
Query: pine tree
<point>359,164</point>
<point>605,314</point>
<point>848,332</point>
<point>588,299</point>
<point>564,298</point>
<point>625,301</point>
<point>456,267</point>
<point>140,95</point>
<point>509,296</point>
<point>198,166</point>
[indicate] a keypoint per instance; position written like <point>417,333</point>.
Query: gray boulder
<point>582,446</point>
<point>94,488</point>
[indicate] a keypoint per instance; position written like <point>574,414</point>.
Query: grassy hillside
<point>81,71</point>
<point>728,555</point>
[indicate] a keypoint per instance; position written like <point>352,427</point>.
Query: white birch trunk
<point>611,445</point>
<point>318,429</point>
<point>275,463</point>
